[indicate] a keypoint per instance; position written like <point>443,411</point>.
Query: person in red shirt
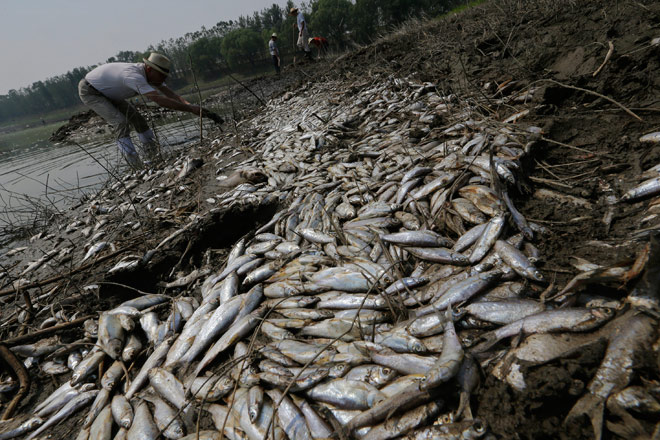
<point>321,45</point>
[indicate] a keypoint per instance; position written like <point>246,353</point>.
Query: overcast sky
<point>44,38</point>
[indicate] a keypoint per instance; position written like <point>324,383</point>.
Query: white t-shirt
<point>120,81</point>
<point>301,20</point>
<point>272,45</point>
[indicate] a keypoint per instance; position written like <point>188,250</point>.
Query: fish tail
<point>592,406</point>
<point>487,342</point>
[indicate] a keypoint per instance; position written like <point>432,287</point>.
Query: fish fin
<point>592,406</point>
<point>464,407</point>
<point>629,428</point>
<point>488,340</point>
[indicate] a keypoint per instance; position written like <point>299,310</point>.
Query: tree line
<point>239,45</point>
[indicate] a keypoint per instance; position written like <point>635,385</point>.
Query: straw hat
<point>293,11</point>
<point>159,62</point>
<point>310,40</point>
<point>274,35</point>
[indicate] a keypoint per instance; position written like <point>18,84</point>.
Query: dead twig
<point>11,290</point>
<point>561,144</point>
<point>47,331</point>
<point>23,379</point>
<point>199,94</point>
<point>607,58</point>
<point>549,182</point>
<point>591,92</point>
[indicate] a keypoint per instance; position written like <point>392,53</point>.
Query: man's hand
<point>212,116</point>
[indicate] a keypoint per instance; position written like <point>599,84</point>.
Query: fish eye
<point>479,427</point>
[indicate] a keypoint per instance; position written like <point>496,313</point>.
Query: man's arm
<point>172,101</point>
<point>175,102</point>
<point>170,93</point>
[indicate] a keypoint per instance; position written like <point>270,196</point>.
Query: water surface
<point>36,174</point>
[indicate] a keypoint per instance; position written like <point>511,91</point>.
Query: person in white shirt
<point>303,32</point>
<point>107,88</point>
<point>274,52</point>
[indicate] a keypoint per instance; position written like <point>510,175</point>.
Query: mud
<point>493,49</point>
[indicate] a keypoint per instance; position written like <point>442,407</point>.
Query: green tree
<point>366,20</point>
<point>242,44</point>
<point>330,18</point>
<point>206,56</point>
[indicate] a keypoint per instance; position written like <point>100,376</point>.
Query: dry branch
<point>11,290</point>
<point>607,58</point>
<point>46,332</point>
<point>23,379</point>
<point>591,92</point>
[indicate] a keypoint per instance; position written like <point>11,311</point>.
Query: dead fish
<point>143,426</point>
<point>67,410</point>
<point>634,332</point>
<point>651,137</point>
<point>101,428</point>
<point>576,320</point>
<point>645,189</point>
<point>421,238</point>
<point>190,166</point>
<point>346,394</point>
<point>187,279</point>
<point>38,349</point>
<point>165,417</point>
<point>465,430</point>
<point>54,368</point>
<point>156,359</point>
<point>401,424</point>
<point>96,249</point>
<point>122,411</point>
<point>25,427</point>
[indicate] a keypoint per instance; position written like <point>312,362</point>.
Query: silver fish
<point>239,329</point>
<point>143,426</point>
<point>216,324</point>
<point>122,411</point>
<point>576,319</point>
<point>152,361</point>
<point>111,334</point>
<point>87,366</point>
<point>465,430</point>
<point>346,394</point>
<point>211,388</point>
<point>449,361</point>
<point>290,417</point>
<point>439,255</point>
<point>645,189</point>
<point>168,387</point>
<point>517,261</point>
<point>131,348</point>
<point>25,427</point>
<point>67,410</point>
<point>100,402</point>
<point>165,417</point>
<point>102,427</point>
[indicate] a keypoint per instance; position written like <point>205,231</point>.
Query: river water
<point>36,174</point>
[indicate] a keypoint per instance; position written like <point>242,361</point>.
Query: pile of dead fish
<point>364,309</point>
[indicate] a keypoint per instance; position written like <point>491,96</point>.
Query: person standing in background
<point>303,32</point>
<point>274,52</point>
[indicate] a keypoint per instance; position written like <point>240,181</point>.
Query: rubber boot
<point>127,150</point>
<point>150,148</point>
